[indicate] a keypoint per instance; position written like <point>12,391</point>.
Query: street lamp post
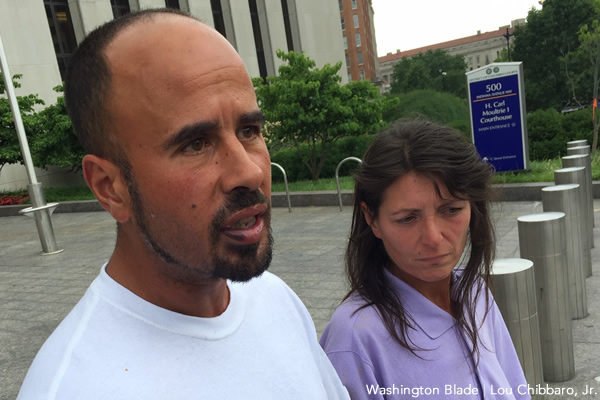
<point>507,35</point>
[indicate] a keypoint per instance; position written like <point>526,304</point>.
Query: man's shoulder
<point>50,360</point>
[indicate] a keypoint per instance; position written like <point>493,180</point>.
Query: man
<point>183,309</point>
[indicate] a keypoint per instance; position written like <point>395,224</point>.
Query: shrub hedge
<point>350,146</point>
<point>549,131</point>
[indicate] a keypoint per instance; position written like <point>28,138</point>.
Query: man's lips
<point>246,226</point>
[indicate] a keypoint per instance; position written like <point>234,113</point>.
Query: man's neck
<point>140,270</point>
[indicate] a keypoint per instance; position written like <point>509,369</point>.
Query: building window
<point>347,60</point>
<point>120,7</point>
<point>340,4</point>
<point>357,37</point>
<point>355,18</point>
<point>287,25</point>
<point>217,13</point>
<point>343,24</point>
<point>360,58</point>
<point>349,76</point>
<point>172,4</point>
<point>345,43</point>
<point>354,4</point>
<point>362,75</point>
<point>61,29</point>
<point>258,43</point>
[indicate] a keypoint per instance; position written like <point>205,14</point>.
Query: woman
<point>413,325</point>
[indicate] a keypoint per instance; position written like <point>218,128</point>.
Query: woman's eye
<point>407,220</point>
<point>197,145</point>
<point>454,210</point>
<point>249,132</point>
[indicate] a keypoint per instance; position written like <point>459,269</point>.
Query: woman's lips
<point>433,259</point>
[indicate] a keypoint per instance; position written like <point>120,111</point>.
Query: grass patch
<point>346,182</point>
<point>543,171</point>
<point>54,194</point>
<point>539,171</point>
<point>68,194</point>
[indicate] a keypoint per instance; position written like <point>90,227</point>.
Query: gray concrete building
<point>40,35</point>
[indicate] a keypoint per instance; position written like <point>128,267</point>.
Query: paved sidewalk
<point>37,291</point>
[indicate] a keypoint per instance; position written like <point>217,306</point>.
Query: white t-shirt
<point>115,345</point>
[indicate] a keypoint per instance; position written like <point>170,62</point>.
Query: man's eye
<point>197,145</point>
<point>248,132</point>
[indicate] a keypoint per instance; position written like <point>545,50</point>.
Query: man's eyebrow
<point>189,132</point>
<point>252,117</point>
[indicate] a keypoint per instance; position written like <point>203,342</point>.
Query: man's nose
<point>241,168</point>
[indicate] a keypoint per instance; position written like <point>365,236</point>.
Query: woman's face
<point>424,234</point>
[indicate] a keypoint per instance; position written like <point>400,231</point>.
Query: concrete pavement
<point>37,291</point>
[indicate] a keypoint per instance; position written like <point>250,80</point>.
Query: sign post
<point>498,115</point>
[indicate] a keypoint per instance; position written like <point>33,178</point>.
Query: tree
<point>435,70</point>
<point>10,150</point>
<point>546,45</point>
<point>590,44</point>
<point>305,104</point>
<point>54,142</point>
<point>443,108</point>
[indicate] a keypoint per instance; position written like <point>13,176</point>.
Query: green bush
<point>549,131</point>
<point>547,139</point>
<point>578,125</point>
<point>55,142</point>
<point>350,146</point>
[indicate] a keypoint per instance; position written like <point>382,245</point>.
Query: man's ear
<point>106,181</point>
<point>372,222</point>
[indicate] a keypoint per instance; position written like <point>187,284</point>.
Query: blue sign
<point>496,119</point>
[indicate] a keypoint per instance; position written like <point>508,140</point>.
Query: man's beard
<point>246,262</point>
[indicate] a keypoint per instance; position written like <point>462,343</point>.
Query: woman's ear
<point>372,222</point>
<point>106,181</point>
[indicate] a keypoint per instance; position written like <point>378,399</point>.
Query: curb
<point>325,198</point>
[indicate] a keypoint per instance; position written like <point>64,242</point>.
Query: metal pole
<point>287,190</point>
<point>542,240</point>
<point>41,212</point>
<point>577,175</point>
<point>565,198</point>
<point>577,143</point>
<point>583,160</point>
<point>571,151</point>
<point>513,285</point>
<point>337,177</point>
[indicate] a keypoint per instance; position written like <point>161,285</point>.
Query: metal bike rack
<point>287,191</point>
<point>337,177</point>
